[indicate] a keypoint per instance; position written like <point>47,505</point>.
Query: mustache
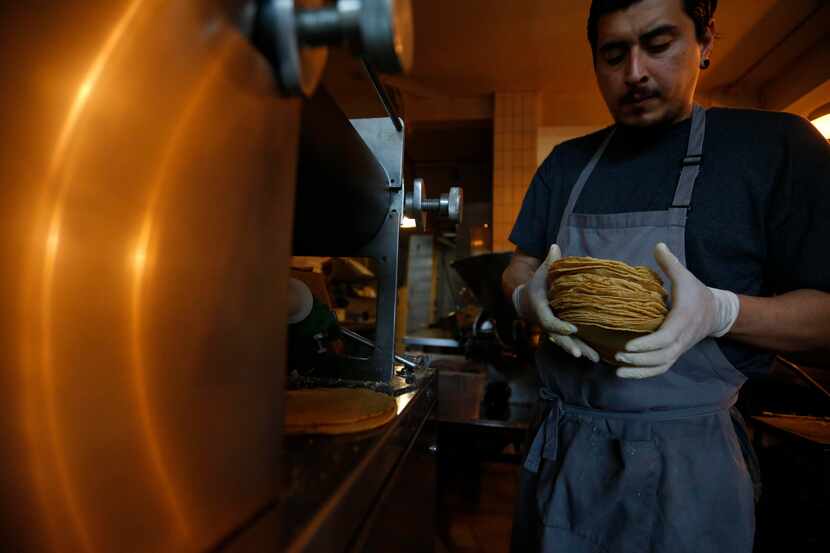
<point>639,94</point>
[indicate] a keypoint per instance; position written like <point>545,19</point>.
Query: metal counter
<point>334,484</point>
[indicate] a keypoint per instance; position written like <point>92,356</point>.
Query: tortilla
<point>610,302</point>
<point>336,410</point>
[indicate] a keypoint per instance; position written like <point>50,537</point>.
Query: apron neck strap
<point>692,161</point>
<point>580,183</point>
<point>685,184</point>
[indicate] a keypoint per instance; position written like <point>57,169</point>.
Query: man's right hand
<point>559,332</point>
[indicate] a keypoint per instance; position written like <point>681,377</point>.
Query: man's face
<point>647,62</point>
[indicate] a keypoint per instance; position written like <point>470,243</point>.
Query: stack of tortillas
<point>609,302</point>
<point>336,410</point>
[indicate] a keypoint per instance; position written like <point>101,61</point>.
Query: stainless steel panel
<point>145,219</point>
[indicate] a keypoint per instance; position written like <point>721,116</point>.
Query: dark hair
<point>700,11</point>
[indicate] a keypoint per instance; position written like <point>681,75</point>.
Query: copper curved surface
<point>148,171</point>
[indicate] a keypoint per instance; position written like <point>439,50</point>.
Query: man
<point>732,207</point>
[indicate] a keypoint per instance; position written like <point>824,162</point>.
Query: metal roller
<point>294,36</point>
<point>343,191</point>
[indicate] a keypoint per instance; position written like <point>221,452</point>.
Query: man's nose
<point>635,72</point>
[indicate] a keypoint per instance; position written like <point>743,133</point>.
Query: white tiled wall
<point>515,130</point>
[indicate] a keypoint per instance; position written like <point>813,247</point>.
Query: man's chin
<point>639,116</point>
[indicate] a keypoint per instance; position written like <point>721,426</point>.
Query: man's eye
<point>614,57</point>
<point>659,47</point>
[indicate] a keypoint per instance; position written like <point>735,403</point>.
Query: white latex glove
<point>559,332</point>
<point>697,312</point>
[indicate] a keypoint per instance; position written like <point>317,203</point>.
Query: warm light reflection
<point>823,125</point>
<point>53,240</point>
<point>57,449</point>
<point>140,258</point>
<point>44,403</point>
<point>89,82</point>
<point>403,400</point>
<point>408,222</point>
<point>84,90</point>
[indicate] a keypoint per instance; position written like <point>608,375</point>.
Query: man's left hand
<point>697,312</point>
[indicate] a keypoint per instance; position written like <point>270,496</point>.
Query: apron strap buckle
<point>692,160</point>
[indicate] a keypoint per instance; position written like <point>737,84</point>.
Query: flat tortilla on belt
<point>610,302</point>
<point>336,410</point>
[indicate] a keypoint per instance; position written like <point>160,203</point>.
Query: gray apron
<point>626,465</point>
